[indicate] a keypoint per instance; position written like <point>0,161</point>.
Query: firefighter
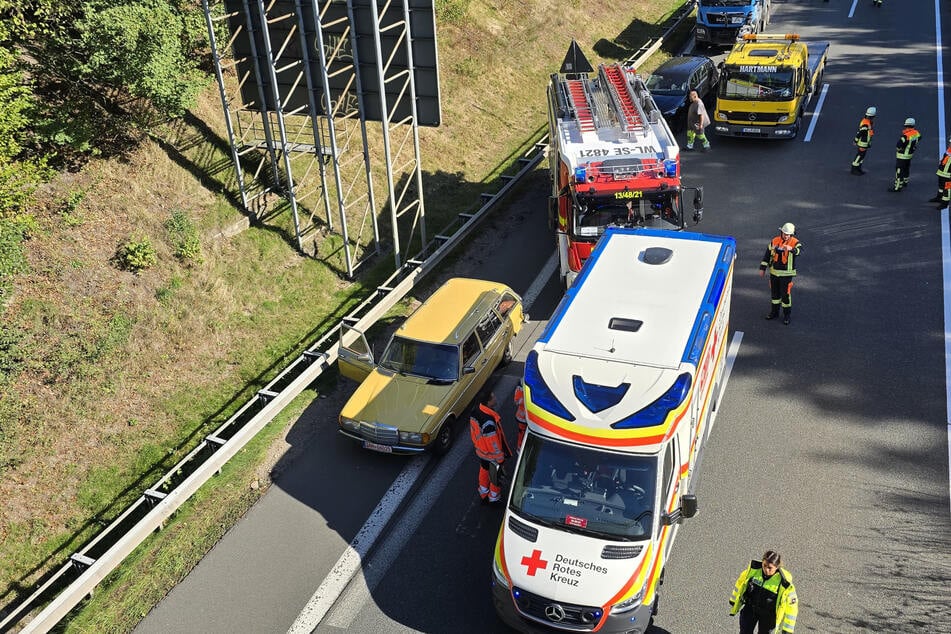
<point>489,442</point>
<point>863,139</point>
<point>904,150</point>
<point>520,418</point>
<point>765,596</point>
<point>780,258</point>
<point>943,197</point>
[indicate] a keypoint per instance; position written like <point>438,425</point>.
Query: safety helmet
<point>909,122</point>
<point>788,228</point>
<point>870,111</point>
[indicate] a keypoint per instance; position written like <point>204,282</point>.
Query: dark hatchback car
<point>676,77</point>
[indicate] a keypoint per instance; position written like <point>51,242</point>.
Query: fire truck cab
<point>613,159</point>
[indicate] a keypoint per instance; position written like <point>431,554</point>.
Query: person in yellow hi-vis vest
<point>765,597</point>
<point>943,197</point>
<point>904,150</point>
<point>780,259</point>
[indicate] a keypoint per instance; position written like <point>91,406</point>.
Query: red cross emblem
<point>534,562</point>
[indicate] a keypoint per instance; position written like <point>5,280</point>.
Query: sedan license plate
<point>375,447</point>
<point>751,130</point>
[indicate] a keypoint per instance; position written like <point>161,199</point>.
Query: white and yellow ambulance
<point>621,392</point>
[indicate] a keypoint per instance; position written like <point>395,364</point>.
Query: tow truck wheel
<point>444,436</point>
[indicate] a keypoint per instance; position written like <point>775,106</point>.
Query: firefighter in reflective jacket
<point>764,595</point>
<point>780,258</point>
<point>943,197</point>
<point>863,139</point>
<point>520,418</point>
<point>489,442</point>
<point>904,150</point>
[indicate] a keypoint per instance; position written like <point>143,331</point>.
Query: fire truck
<point>613,159</point>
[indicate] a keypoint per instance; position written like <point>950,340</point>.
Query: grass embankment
<point>109,377</point>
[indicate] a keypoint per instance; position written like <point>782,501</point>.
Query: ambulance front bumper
<point>537,615</point>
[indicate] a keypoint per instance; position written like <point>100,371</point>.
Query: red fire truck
<point>613,159</point>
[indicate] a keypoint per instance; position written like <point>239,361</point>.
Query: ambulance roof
<point>623,308</point>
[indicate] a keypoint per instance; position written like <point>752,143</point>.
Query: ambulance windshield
<point>581,490</point>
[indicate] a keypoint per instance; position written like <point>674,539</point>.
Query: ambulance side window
<point>668,472</point>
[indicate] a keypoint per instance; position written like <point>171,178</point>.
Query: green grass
<point>140,367</point>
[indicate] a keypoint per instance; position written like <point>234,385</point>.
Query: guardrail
<point>86,568</point>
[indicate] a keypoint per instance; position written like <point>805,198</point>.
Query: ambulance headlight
<point>498,575</point>
<point>720,116</point>
<point>628,604</point>
<point>783,118</point>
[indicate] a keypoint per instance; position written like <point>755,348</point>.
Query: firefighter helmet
<point>788,228</point>
<point>910,122</point>
<point>870,111</point>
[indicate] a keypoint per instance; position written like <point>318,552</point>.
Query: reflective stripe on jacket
<point>787,603</point>
<point>907,143</point>
<point>485,435</point>
<point>781,262</point>
<point>520,404</point>
<point>944,165</point>
<point>863,138</point>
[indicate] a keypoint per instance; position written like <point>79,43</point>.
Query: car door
<point>355,357</point>
<point>475,369</point>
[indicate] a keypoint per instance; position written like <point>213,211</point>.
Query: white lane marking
<point>731,354</point>
<point>370,576</point>
<point>350,561</point>
<point>946,268</point>
<point>940,68</point>
<point>854,3</point>
<point>815,113</point>
<point>539,282</point>
<point>945,237</point>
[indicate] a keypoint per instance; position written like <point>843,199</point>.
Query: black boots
<point>774,313</point>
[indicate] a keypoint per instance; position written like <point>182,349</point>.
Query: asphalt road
<point>831,443</point>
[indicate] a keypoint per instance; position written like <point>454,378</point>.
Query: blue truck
<point>723,22</point>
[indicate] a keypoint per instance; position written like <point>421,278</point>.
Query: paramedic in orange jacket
<point>485,429</point>
<point>520,418</point>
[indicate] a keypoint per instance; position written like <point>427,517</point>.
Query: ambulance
<point>621,391</point>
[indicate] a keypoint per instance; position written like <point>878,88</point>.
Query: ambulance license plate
<point>375,447</point>
<point>751,130</point>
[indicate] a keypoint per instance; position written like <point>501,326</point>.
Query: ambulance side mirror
<point>689,504</point>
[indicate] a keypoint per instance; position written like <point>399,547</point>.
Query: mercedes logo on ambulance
<point>555,612</point>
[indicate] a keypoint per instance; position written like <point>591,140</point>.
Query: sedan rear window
<point>428,360</point>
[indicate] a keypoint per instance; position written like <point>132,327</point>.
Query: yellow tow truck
<point>766,83</point>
